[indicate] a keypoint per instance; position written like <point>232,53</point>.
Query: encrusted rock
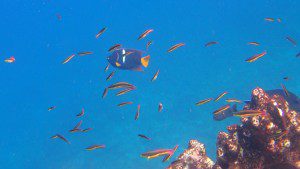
<point>194,157</point>
<point>260,142</point>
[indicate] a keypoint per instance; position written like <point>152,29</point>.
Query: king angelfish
<point>128,59</point>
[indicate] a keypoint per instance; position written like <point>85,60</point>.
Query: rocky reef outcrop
<point>271,141</point>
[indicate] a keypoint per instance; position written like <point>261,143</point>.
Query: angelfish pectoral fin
<point>145,60</point>
<point>118,64</point>
<point>137,69</point>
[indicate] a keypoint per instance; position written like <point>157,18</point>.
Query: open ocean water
<point>40,34</point>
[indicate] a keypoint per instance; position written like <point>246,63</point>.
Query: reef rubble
<point>259,142</point>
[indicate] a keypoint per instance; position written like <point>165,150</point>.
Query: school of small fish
<point>131,59</point>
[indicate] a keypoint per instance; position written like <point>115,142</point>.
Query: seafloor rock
<point>260,142</point>
<point>194,157</point>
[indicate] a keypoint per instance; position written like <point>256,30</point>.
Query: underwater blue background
<point>30,31</point>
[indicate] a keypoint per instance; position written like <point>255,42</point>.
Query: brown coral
<point>260,142</point>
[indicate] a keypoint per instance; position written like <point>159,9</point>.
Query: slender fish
<point>86,130</point>
<point>144,34</point>
<point>148,45</point>
<point>249,113</point>
<point>156,153</point>
<point>253,43</point>
<point>124,104</point>
<point>220,96</point>
<point>232,100</point>
<point>10,60</point>
<point>68,59</point>
<point>104,92</point>
<point>269,19</point>
<point>100,32</point>
<point>291,40</point>
<point>171,49</point>
<point>160,152</point>
<point>110,75</point>
<point>121,85</point>
<point>255,57</point>
<point>168,156</point>
<point>93,147</point>
<point>51,108</point>
<point>124,91</point>
<point>137,112</point>
<point>116,46</point>
<point>84,53</point>
<point>74,130</point>
<point>81,113</point>
<point>221,109</point>
<point>143,136</point>
<point>155,76</point>
<point>61,137</point>
<point>106,68</point>
<point>211,43</point>
<point>78,125</point>
<point>203,101</point>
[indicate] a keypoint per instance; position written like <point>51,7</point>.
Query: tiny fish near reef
<point>292,99</point>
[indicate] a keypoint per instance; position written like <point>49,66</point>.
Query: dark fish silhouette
<point>132,61</point>
<point>143,136</point>
<point>227,113</point>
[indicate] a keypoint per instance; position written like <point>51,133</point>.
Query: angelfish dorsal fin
<point>145,60</point>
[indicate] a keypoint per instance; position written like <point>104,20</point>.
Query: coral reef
<point>194,157</point>
<point>260,142</point>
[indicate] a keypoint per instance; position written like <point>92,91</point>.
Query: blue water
<point>31,31</point>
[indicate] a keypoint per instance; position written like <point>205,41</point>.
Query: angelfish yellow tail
<point>145,60</point>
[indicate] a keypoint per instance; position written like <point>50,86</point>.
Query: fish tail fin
<point>168,156</point>
<point>145,60</point>
<point>175,148</point>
